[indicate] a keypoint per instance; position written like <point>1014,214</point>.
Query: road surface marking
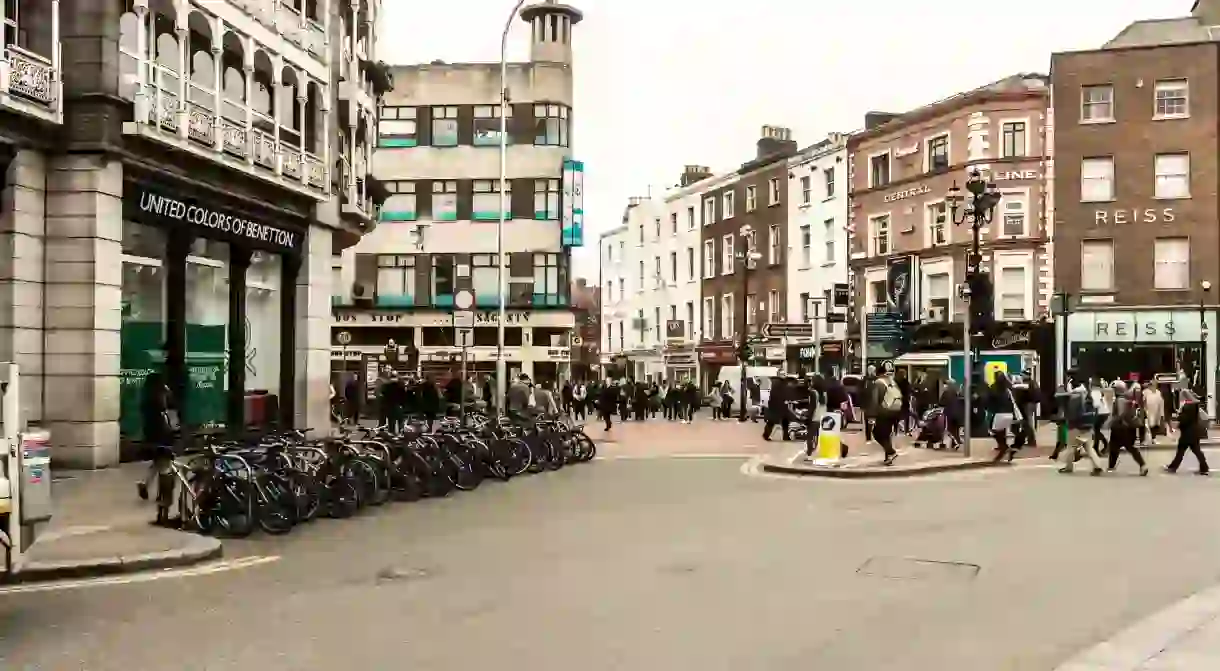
<point>710,455</point>
<point>133,578</point>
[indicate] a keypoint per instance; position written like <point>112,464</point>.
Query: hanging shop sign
<point>144,204</point>
<point>1015,337</point>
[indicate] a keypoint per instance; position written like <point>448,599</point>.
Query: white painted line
<point>134,578</point>
<point>643,457</point>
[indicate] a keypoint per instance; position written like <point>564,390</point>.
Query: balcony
<point>30,81</point>
<point>354,192</point>
<point>300,22</point>
<point>267,120</point>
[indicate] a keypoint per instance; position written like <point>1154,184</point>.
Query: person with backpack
<point>889,405</point>
<point>1124,426</point>
<point>1079,414</point>
<point>1190,431</point>
<point>1005,416</point>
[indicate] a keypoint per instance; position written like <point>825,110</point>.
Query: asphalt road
<point>666,564</point>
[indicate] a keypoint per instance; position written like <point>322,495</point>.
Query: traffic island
<point>911,462</point>
<point>89,552</point>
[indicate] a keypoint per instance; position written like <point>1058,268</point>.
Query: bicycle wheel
<point>226,507</point>
<point>307,494</point>
<point>366,477</point>
<point>514,455</point>
<point>467,477</point>
<point>277,506</point>
<point>341,496</point>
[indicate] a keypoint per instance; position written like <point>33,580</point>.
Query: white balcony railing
<point>32,83</point>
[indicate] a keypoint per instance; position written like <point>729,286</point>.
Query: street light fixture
<point>746,256</point>
<point>978,212</point>
<point>1206,286</point>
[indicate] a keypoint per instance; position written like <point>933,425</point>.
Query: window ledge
<point>1095,122</point>
<point>827,199</point>
<point>805,205</point>
<point>1170,117</point>
<point>1107,200</point>
<point>1162,198</point>
<point>828,264</point>
<point>1171,291</point>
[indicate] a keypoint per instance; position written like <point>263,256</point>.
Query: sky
<point>665,83</point>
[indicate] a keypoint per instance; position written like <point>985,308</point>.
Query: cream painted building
<point>438,158</point>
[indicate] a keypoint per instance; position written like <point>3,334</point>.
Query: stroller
<point>932,429</point>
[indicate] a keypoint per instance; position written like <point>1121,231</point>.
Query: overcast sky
<point>665,83</point>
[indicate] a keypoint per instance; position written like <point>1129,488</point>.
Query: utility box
<point>35,477</point>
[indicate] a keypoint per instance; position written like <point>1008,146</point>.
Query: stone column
<point>21,275</point>
<point>84,276</point>
<point>313,322</point>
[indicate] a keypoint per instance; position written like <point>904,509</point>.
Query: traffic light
<point>745,352</point>
<point>982,303</point>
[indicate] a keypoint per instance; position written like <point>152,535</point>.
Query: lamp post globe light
<point>745,256</point>
<point>978,212</point>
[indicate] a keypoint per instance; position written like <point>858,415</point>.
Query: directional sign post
<point>463,322</point>
<point>783,330</point>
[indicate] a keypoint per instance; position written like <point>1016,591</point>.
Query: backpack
<point>891,397</point>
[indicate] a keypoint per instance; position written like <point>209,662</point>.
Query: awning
<point>923,359</point>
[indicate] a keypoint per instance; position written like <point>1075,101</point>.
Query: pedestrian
<point>1103,400</point>
<point>954,409</point>
<point>1124,427</point>
<point>160,429</point>
<point>580,394</point>
<point>520,399</point>
<point>1190,430</point>
<point>904,386</point>
<point>1154,414</point>
<point>777,411</point>
<point>1079,415</point>
<point>867,399</point>
<point>887,400</point>
<point>692,401</point>
<point>607,402</point>
<point>818,403</point>
<point>1002,407</point>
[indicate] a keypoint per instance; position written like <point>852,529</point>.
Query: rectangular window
<point>751,311</point>
<point>1012,140</point>
<point>773,194</point>
<point>673,223</point>
<point>551,125</point>
<point>622,288</point>
<point>806,190</point>
<point>879,170</point>
<point>709,259</point>
<point>709,211</point>
<point>1096,103</point>
<point>1097,179</point>
<point>1172,175</point>
<point>690,263</point>
<point>547,288</point>
<point>751,198</point>
<point>444,126</point>
<point>639,284</point>
<point>726,209</point>
<point>1172,99</point>
<point>773,306</point>
<point>1016,215</point>
<point>806,244</point>
<point>658,279</point>
<point>546,199</point>
<point>709,318</point>
<point>938,153</point>
<point>1013,285</point>
<point>1097,265</point>
<point>804,307</point>
<point>641,232</point>
<point>487,125</point>
<point>443,279</point>
<point>690,218</point>
<point>401,205</point>
<point>828,230</point>
<point>877,301</point>
<point>656,323</point>
<point>775,254</point>
<point>938,290</point>
<point>829,175</point>
<point>444,201</point>
<point>690,320</point>
<point>485,279</point>
<point>610,291</point>
<point>1172,269</point>
<point>938,229</point>
<point>487,202</point>
<point>726,316</point>
<point>673,267</point>
<point>396,127</point>
<point>726,255</point>
<point>879,229</point>
<point>395,280</point>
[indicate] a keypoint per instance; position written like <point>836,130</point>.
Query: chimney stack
<point>775,141</point>
<point>694,173</point>
<point>874,119</point>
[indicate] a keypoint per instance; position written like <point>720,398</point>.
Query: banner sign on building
<point>900,287</point>
<point>675,329</point>
<point>573,231</point>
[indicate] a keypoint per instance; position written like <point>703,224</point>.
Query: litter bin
<point>35,487</point>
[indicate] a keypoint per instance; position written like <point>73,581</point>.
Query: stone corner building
<point>1136,231</point>
<point>159,220</point>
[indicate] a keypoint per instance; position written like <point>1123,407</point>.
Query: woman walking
<point>1189,433</point>
<point>1004,415</point>
<point>1154,414</point>
<point>1124,427</point>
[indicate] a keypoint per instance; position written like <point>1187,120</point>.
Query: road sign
<point>781,330</point>
<point>463,299</point>
<point>344,338</point>
<point>575,340</point>
<point>464,337</point>
<point>463,319</point>
<point>836,318</point>
<point>813,307</point>
<point>842,294</point>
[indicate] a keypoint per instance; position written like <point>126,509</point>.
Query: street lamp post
<point>501,364</point>
<point>1061,306</point>
<point>978,212</point>
<point>1206,286</point>
<point>745,257</point>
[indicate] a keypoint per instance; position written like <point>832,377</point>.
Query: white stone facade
<point>818,195</point>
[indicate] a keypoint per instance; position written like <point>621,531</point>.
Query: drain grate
<point>904,568</point>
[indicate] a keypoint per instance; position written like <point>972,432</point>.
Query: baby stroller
<point>932,429</point>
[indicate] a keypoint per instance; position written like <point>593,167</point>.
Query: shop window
<point>264,286</point>
<point>142,331</point>
<point>487,125</point>
<point>397,127</point>
<point>546,199</point>
<point>485,279</point>
<point>552,125</point>
<point>547,290</point>
<point>207,333</point>
<point>402,204</point>
<point>444,200</point>
<point>444,126</point>
<point>396,280</point>
<point>443,280</point>
<point>487,200</point>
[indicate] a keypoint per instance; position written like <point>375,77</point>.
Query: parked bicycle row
<point>276,481</point>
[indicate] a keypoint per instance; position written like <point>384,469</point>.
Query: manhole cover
<point>394,574</point>
<point>903,568</point>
